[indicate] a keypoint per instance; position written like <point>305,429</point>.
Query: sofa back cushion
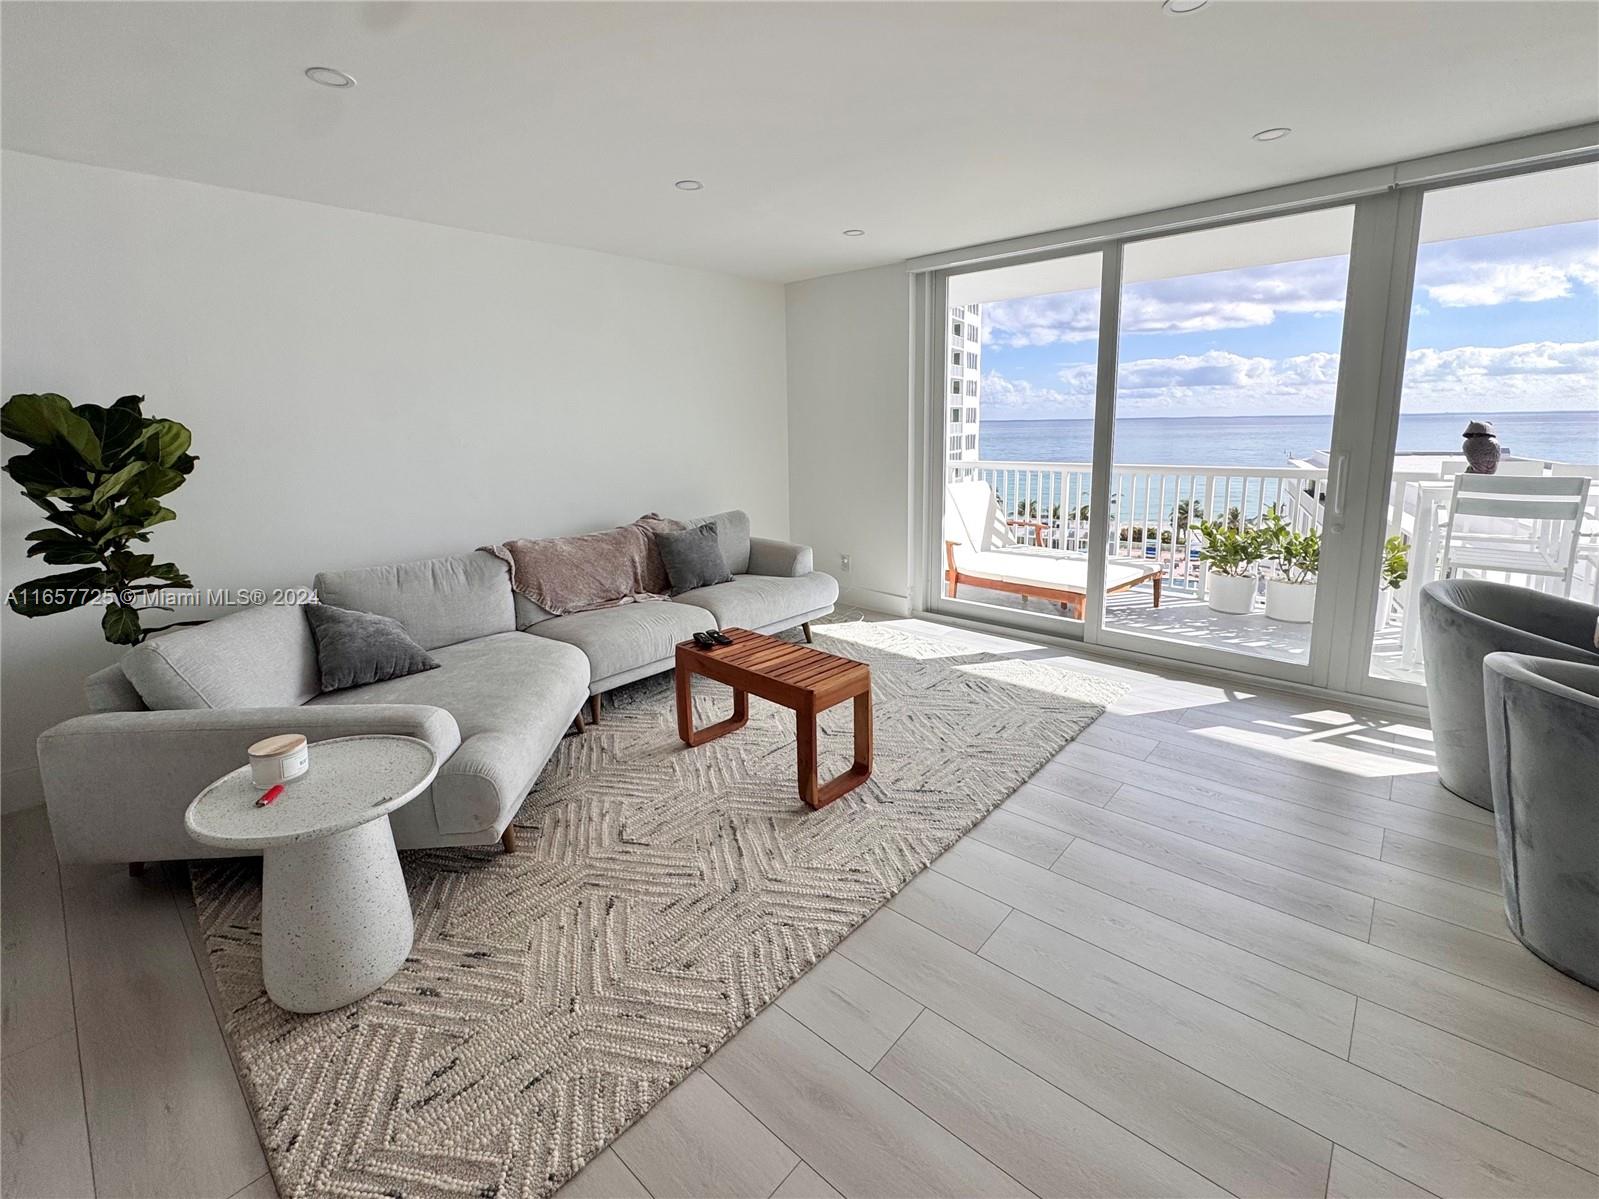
<point>527,612</point>
<point>441,601</point>
<point>259,658</point>
<point>110,690</point>
<point>733,533</point>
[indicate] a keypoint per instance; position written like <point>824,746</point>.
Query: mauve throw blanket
<point>594,570</point>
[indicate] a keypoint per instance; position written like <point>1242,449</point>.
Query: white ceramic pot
<point>1292,602</point>
<point>1230,593</point>
<point>1385,608</point>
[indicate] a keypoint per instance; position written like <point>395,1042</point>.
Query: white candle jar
<point>278,759</point>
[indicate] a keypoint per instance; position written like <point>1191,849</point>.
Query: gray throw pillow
<point>693,558</point>
<point>356,648</point>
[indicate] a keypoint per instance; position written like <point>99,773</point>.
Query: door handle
<point>1335,500</point>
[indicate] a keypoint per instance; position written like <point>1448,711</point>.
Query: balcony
<point>1154,509</point>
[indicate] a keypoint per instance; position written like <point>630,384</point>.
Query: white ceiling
<point>930,125</point>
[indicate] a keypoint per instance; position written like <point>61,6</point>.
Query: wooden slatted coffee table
<point>798,677</point>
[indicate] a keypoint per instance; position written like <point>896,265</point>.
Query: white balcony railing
<point>1153,507</point>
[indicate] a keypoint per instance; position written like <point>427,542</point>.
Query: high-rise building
<point>963,380</point>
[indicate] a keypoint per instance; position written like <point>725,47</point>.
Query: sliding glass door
<point>1222,439</point>
<point>1500,392</point>
<point>1019,374</point>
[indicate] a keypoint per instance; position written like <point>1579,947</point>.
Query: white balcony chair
<point>1451,467</point>
<point>1545,516</point>
<point>1588,540</point>
<point>981,551</point>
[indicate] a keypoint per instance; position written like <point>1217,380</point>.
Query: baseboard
<point>20,788</point>
<point>878,601</point>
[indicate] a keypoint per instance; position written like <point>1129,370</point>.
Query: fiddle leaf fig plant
<point>98,474</point>
<point>1395,562</point>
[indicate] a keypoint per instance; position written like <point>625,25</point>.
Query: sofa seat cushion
<point>622,639</point>
<point>513,697</point>
<point>764,601</point>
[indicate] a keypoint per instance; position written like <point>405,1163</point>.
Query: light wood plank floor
<point>1230,941</point>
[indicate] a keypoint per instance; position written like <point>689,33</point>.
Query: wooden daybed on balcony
<point>981,550</point>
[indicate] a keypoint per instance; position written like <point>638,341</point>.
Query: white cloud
<point>1222,369</point>
<point>1539,375</point>
<point>1239,299</point>
<point>1527,266</point>
<point>1235,299</point>
<point>1042,320</point>
<point>1530,377</point>
<point>1017,399</point>
<point>1505,283</point>
<point>1223,382</point>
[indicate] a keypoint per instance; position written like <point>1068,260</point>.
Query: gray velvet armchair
<point>1543,744</point>
<point>1462,622</point>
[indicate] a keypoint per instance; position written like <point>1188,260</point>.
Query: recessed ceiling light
<point>1274,134</point>
<point>1179,7</point>
<point>854,233</point>
<point>328,77</point>
<point>688,185</point>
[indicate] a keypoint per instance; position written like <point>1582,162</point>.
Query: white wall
<point>849,429</point>
<point>364,389</point>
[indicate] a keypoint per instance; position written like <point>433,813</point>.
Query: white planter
<point>1230,593</point>
<point>1292,602</point>
<point>1385,608</point>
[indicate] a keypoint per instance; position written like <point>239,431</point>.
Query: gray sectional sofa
<point>179,710</point>
<point>774,587</point>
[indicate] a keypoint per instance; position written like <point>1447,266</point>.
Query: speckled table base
<point>660,898</point>
<point>337,918</point>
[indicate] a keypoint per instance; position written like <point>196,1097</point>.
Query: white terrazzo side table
<point>336,919</point>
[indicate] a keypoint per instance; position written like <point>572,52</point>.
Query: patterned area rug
<point>660,897</point>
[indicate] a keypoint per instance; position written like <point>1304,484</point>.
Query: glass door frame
<point>1092,629</point>
<point>1354,673</point>
<point>1367,439</point>
<point>1366,231</point>
<point>931,300</point>
<point>1382,262</point>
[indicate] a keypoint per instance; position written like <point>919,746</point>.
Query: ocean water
<point>1271,440</point>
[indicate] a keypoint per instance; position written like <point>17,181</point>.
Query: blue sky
<point>1506,322</point>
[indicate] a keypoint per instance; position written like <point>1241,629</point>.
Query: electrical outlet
<point>843,563</point>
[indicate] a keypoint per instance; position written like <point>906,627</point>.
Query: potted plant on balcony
<point>1291,588</point>
<point>1395,570</point>
<point>1229,552</point>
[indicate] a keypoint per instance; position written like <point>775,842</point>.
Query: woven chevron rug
<point>660,897</point>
